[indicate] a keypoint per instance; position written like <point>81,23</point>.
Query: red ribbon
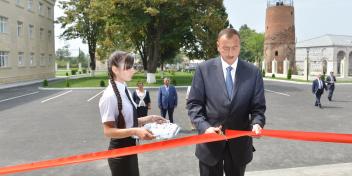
<point>184,141</point>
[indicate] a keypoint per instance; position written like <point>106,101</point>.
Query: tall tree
<point>78,23</point>
<point>158,29</point>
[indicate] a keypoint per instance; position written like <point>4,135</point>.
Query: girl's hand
<point>144,134</point>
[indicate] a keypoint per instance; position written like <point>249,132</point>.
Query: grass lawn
<point>177,78</point>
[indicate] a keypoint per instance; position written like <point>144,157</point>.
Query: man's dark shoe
<point>320,106</point>
<point>329,99</point>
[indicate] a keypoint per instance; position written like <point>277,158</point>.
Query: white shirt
<point>233,71</point>
<point>141,96</point>
<point>108,105</point>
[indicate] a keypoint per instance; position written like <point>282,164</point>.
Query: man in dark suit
<point>226,93</point>
<point>331,79</point>
<point>167,99</point>
<point>318,89</point>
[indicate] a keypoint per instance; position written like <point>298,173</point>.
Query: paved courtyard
<point>39,124</point>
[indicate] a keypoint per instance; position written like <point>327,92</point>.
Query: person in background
<point>318,87</point>
<point>167,99</point>
<point>142,99</point>
<point>331,80</point>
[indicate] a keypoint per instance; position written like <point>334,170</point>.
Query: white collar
<point>225,64</point>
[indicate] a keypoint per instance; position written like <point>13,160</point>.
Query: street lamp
<point>307,63</point>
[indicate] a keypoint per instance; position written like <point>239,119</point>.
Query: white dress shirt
<point>233,71</point>
<point>108,105</point>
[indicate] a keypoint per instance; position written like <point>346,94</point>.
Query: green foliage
<point>67,83</point>
<point>159,30</point>
<point>84,71</point>
<point>45,83</point>
<point>322,77</point>
<point>66,73</point>
<point>79,22</point>
<point>263,73</point>
<point>74,71</point>
<point>252,44</point>
<point>289,74</point>
<point>173,81</point>
<point>273,75</point>
<point>102,83</point>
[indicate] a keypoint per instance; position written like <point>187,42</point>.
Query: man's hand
<point>216,130</point>
<point>257,129</point>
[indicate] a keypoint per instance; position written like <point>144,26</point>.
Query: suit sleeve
<point>175,97</point>
<point>196,103</point>
<point>258,106</point>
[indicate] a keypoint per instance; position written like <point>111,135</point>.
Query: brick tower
<point>279,42</point>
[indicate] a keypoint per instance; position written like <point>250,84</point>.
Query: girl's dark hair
<point>119,59</point>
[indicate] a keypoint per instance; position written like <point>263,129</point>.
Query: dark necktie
<point>135,115</point>
<point>229,82</point>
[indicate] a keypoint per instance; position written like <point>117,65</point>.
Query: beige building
<point>27,41</point>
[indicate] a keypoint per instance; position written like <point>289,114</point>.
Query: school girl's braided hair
<point>123,60</point>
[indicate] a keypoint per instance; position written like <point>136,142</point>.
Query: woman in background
<point>142,99</point>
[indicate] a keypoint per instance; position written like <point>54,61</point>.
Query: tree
<point>252,44</point>
<point>78,23</point>
<point>63,53</point>
<point>158,29</point>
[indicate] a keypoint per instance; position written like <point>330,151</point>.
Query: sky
<point>313,18</point>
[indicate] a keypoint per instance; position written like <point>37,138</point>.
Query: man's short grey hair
<point>166,78</point>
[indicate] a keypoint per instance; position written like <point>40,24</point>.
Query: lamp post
<point>307,63</point>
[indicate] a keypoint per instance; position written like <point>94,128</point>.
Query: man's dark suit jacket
<point>167,98</point>
<point>315,87</point>
<point>209,106</point>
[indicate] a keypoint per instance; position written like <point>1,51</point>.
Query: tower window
<point>276,53</point>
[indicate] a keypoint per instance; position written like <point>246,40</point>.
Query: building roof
<point>327,40</point>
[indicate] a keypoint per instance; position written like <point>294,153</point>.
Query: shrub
<point>173,81</point>
<point>67,83</point>
<point>73,71</point>
<point>289,74</point>
<point>102,83</point>
<point>84,71</point>
<point>263,73</point>
<point>273,75</point>
<point>45,83</point>
<point>79,72</point>
<point>66,73</point>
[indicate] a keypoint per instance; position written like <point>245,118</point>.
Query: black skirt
<point>126,165</point>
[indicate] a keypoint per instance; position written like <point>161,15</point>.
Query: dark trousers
<point>126,165</point>
<point>169,111</point>
<point>225,165</point>
<point>318,96</point>
<point>142,111</point>
<point>331,91</point>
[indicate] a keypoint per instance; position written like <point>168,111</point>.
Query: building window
<point>31,59</point>
<point>41,31</point>
<point>4,57</point>
<point>18,2</point>
<point>276,53</point>
<point>40,8</point>
<point>30,4</point>
<point>42,61</point>
<point>19,28</point>
<point>30,31</point>
<point>3,24</point>
<point>20,59</point>
<point>49,35</point>
<point>49,12</point>
<point>50,59</point>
